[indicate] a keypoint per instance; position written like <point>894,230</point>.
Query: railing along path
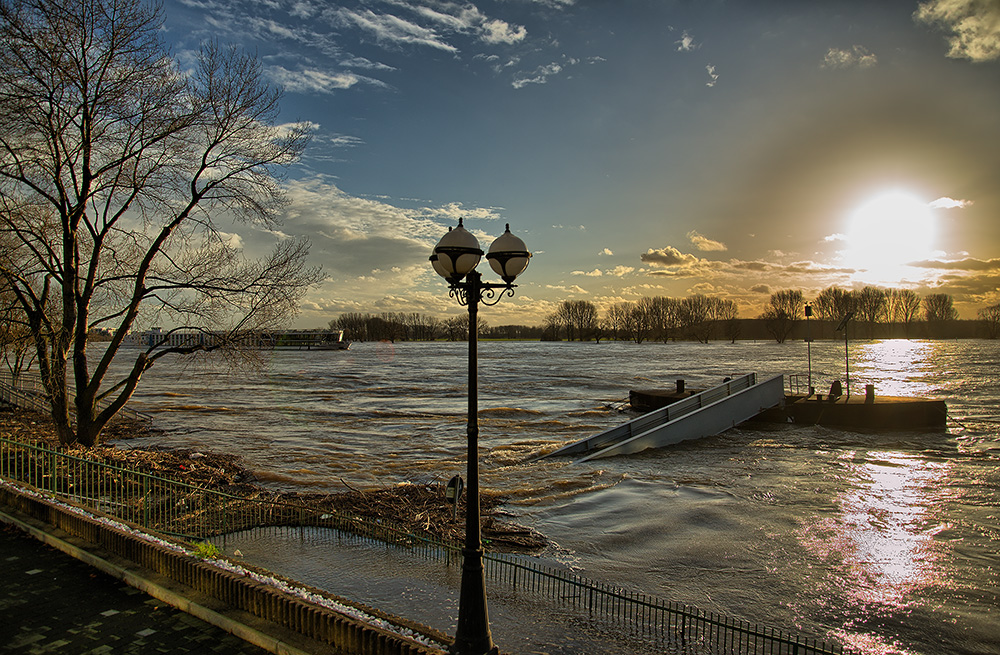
<point>174,507</point>
<point>27,391</point>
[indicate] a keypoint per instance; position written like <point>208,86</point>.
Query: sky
<point>638,147</point>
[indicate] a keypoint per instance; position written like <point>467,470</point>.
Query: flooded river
<point>886,541</point>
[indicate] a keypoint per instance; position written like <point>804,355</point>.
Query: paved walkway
<point>53,603</point>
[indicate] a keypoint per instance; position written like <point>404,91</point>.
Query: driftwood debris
<point>418,508</point>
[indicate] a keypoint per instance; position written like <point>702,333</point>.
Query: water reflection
<point>880,545</point>
<point>898,367</point>
<point>884,538</point>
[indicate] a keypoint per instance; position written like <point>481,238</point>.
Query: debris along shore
<point>417,508</point>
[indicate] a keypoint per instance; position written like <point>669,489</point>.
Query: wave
<point>509,411</point>
<point>590,412</point>
<point>273,476</point>
<point>190,408</point>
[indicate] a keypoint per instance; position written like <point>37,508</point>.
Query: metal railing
<point>673,627</point>
<point>176,508</point>
<point>657,417</point>
<point>797,384</point>
<point>27,391</point>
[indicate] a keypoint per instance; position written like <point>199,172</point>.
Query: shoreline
<point>417,508</point>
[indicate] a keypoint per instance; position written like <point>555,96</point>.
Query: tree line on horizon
<point>876,312</point>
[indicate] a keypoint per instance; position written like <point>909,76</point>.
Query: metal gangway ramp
<point>700,415</point>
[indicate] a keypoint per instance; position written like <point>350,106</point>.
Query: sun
<point>887,233</point>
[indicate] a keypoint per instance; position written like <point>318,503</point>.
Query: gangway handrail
<point>658,417</point>
<point>719,415</point>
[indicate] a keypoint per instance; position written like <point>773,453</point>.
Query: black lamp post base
<point>473,635</point>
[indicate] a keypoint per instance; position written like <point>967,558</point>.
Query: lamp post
<point>809,354</point>
<point>847,360</point>
<point>455,259</point>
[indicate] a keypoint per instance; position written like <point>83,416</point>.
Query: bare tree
<point>641,319</point>
<point>579,318</point>
<point>782,313</point>
<point>457,328</point>
<point>553,327</point>
<point>728,313</point>
<point>16,342</point>
<point>353,324</point>
<point>904,307</point>
<point>872,306</point>
<point>116,168</point>
<point>696,314</point>
<point>939,307</point>
<point>990,316</point>
<point>616,320</point>
<point>668,317</point>
<point>834,303</point>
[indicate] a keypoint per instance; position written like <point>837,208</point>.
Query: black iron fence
<point>180,509</point>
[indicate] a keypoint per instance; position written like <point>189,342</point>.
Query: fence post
<point>145,501</point>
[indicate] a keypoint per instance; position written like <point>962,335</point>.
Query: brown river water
<point>888,542</point>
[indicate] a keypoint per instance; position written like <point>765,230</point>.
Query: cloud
<point>857,57</point>
<point>606,251</point>
<point>342,141</point>
<point>668,256</point>
<point>835,237</point>
<point>432,25</point>
<point>468,19</point>
<point>498,31</point>
<point>570,289</point>
<point>949,203</point>
<point>974,26</point>
<point>353,236</point>
<point>366,64</point>
<point>620,271</point>
<point>761,288</point>
<point>453,211</point>
<point>304,9</point>
<point>713,77</point>
<point>231,239</point>
<point>594,273</point>
<point>391,29</point>
<point>686,43</point>
<point>705,244</point>
<point>540,75</point>
<point>310,81</point>
<point>967,264</point>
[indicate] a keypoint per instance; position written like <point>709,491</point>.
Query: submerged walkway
<point>53,603</point>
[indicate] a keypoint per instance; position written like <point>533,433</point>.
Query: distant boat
<point>303,340</point>
<point>263,340</point>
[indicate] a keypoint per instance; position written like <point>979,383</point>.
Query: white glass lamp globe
<point>458,253</point>
<point>436,265</point>
<point>508,256</point>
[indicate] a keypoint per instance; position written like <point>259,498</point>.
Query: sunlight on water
<point>882,546</point>
<point>897,366</point>
<point>881,537</point>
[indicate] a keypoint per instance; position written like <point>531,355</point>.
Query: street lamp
<point>455,259</point>
<point>809,352</point>
<point>847,360</point>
